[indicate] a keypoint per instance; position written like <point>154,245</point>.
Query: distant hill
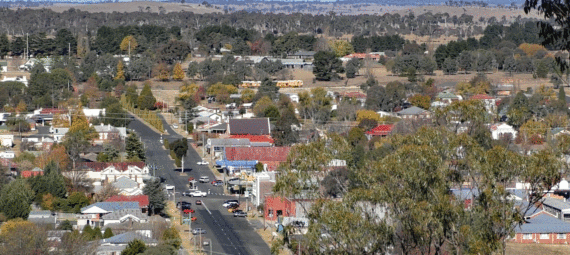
<point>36,3</point>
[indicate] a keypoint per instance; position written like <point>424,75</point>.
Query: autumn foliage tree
<point>422,101</point>
<point>56,154</point>
<point>120,71</point>
<point>178,73</point>
<point>129,44</point>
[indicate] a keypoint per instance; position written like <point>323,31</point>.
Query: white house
<point>128,186</point>
<point>120,216</point>
<point>93,113</point>
<point>488,101</point>
<point>500,129</point>
<point>7,140</point>
<point>21,79</point>
<point>112,174</point>
<point>92,214</point>
<point>294,97</point>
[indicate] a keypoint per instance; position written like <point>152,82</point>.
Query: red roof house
<point>142,199</point>
<point>257,153</point>
<point>381,130</point>
<point>482,97</point>
<point>52,111</point>
<point>33,173</point>
<point>254,138</point>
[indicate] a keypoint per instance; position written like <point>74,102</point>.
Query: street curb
<point>144,122</point>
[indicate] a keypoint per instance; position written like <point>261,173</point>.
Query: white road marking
<point>204,204</point>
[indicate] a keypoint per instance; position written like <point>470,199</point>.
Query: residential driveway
<point>228,235</point>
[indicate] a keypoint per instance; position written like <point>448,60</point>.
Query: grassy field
<point>542,249</point>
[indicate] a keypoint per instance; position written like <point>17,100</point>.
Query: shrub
<point>165,142</point>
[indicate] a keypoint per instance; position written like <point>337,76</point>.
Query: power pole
<point>27,48</point>
<point>186,120</point>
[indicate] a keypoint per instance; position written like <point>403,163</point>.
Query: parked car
<point>187,193</point>
<point>217,182</point>
<point>240,213</point>
<point>168,186</point>
<point>198,202</point>
<point>227,203</point>
<point>197,231</point>
<point>182,203</point>
<point>197,193</point>
<point>204,179</point>
<point>202,163</point>
<point>186,207</point>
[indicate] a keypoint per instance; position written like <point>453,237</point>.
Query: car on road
<point>168,186</point>
<point>197,231</point>
<point>198,202</point>
<point>227,203</point>
<point>197,193</point>
<point>204,179</point>
<point>183,203</point>
<point>217,182</point>
<point>240,213</point>
<point>202,163</point>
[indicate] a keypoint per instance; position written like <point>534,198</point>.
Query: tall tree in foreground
<point>134,148</point>
<point>146,99</point>
<point>156,196</point>
<point>554,31</point>
<point>16,199</point>
<point>178,73</point>
<point>134,247</point>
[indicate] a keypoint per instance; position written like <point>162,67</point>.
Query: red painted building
<point>278,207</point>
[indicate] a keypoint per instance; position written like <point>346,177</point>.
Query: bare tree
<point>79,180</point>
<point>106,192</point>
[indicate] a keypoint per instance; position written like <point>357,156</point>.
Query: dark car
<point>183,203</point>
<point>186,206</point>
<point>240,213</point>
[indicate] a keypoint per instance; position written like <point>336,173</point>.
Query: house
<point>109,171</point>
<point>218,129</point>
<point>116,244</point>
<point>255,126</point>
<point>141,199</point>
<point>21,79</point>
<point>120,216</point>
<point>543,229</point>
<point>488,101</point>
<point>277,207</point>
<point>34,172</point>
<point>127,186</point>
<point>447,97</point>
<point>218,145</point>
<point>296,63</point>
<point>42,217</point>
<point>108,132</point>
<point>91,215</point>
<point>3,66</point>
<point>7,140</point>
<point>358,96</point>
<point>558,208</point>
<point>501,130</point>
<point>262,186</point>
<point>270,157</point>
<point>414,112</point>
<point>294,97</point>
<point>303,54</point>
<point>93,113</point>
<point>58,133</point>
<point>374,57</point>
<point>254,138</point>
<point>380,130</point>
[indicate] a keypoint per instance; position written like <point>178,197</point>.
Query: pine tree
<point>120,71</point>
<point>178,73</point>
<point>134,247</point>
<point>146,99</point>
<point>108,233</point>
<point>134,147</point>
<point>156,196</point>
<point>15,199</point>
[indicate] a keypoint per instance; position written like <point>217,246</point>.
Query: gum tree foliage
<point>421,214</point>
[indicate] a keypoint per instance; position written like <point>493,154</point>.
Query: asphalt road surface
<point>228,234</point>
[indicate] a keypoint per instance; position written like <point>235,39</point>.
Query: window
<point>544,236</point>
<point>527,236</point>
<point>561,236</point>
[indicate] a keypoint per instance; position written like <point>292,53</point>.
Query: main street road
<point>228,235</point>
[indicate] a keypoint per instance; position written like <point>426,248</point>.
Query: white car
<point>202,163</point>
<point>197,193</point>
<point>168,186</point>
